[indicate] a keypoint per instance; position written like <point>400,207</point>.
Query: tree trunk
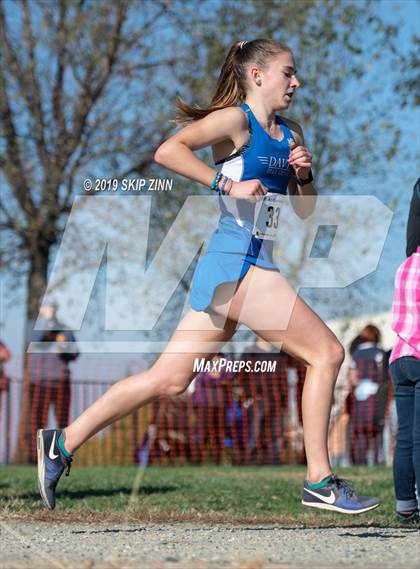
<point>36,285</point>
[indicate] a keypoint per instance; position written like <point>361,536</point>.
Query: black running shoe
<point>338,496</point>
<point>412,519</point>
<point>51,464</point>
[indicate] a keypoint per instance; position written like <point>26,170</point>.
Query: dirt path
<point>202,546</point>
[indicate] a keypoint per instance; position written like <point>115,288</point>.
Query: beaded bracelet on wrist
<point>222,185</point>
<point>226,185</point>
<point>215,184</point>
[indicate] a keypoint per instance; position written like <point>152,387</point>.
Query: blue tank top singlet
<point>233,247</point>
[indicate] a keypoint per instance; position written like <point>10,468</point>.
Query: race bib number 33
<point>267,216</point>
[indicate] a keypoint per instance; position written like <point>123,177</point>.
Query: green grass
<point>207,493</point>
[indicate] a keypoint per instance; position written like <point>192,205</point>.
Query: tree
<point>410,87</point>
<point>72,74</point>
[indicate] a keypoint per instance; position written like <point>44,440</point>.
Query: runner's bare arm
<point>177,153</point>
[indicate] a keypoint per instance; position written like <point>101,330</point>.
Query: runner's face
<point>279,81</point>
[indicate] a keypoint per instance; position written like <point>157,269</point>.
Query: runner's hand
<point>300,159</point>
<point>250,190</point>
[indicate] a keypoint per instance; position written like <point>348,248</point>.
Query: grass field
<point>209,493</point>
<point>206,493</point>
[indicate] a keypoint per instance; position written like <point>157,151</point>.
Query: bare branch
<point>33,94</point>
<point>14,170</point>
<point>129,69</point>
<point>12,223</point>
<point>147,157</point>
<point>58,113</point>
<point>90,96</point>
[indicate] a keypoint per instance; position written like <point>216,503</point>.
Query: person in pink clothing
<point>405,371</point>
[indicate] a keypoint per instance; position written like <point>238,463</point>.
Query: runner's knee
<point>170,382</point>
<point>173,388</point>
<point>329,354</point>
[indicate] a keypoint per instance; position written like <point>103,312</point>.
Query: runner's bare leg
<point>267,304</point>
<point>169,375</point>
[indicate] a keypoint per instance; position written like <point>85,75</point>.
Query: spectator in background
<point>5,356</point>
<point>235,420</point>
<point>169,435</point>
<point>366,402</point>
<point>405,371</point>
<point>265,395</point>
<point>354,344</point>
<point>49,370</point>
<point>211,400</point>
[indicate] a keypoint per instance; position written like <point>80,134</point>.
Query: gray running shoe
<point>338,496</point>
<point>51,464</point>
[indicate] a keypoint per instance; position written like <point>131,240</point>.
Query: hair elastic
<point>241,45</point>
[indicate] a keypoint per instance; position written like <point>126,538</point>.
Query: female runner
<point>261,157</point>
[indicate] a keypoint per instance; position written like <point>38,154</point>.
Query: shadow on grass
<point>98,492</point>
